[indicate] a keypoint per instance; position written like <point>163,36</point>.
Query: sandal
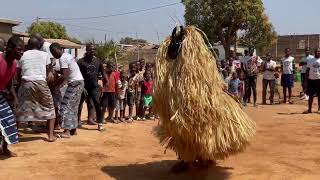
<point>101,128</point>
<point>62,135</point>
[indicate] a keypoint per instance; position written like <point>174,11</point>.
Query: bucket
<point>297,77</point>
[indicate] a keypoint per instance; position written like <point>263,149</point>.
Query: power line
<point>111,15</point>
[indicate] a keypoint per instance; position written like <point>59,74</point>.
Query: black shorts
<point>313,87</point>
<point>108,100</point>
<point>130,99</point>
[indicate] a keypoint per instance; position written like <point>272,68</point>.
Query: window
<point>301,44</point>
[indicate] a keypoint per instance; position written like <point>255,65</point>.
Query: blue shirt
<point>234,86</point>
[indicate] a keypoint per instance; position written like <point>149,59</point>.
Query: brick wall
<point>297,43</point>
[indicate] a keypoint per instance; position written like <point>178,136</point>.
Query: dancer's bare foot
<point>180,166</point>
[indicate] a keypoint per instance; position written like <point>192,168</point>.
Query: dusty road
<point>286,147</point>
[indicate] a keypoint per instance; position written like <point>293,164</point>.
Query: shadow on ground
<point>28,139</point>
<point>161,170</point>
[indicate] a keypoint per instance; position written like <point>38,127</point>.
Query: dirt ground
<point>285,147</point>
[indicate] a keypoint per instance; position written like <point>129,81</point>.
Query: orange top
<point>111,83</point>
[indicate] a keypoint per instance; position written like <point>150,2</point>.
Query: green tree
<point>110,51</point>
<point>222,20</point>
<point>51,30</point>
<point>48,30</point>
<point>261,37</point>
<point>129,40</point>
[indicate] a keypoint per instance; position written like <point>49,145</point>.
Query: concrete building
<point>6,26</point>
<point>297,43</point>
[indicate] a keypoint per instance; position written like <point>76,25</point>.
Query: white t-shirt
<point>33,65</point>
<point>305,60</point>
<point>122,89</point>
<point>287,64</point>
<point>314,65</point>
<point>46,48</point>
<point>236,64</point>
<point>67,61</point>
<point>269,75</point>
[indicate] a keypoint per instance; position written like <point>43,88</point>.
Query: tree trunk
<point>226,42</point>
<point>227,47</point>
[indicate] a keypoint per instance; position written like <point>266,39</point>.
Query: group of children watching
<point>132,89</point>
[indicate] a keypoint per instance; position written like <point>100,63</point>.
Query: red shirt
<point>147,87</point>
<point>111,83</point>
<point>117,74</point>
<point>6,74</point>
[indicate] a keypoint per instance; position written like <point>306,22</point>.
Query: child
<point>147,91</point>
<point>242,87</point>
<point>234,85</point>
<point>226,77</point>
<point>108,99</point>
<point>277,85</point>
<point>131,89</point>
<point>121,96</point>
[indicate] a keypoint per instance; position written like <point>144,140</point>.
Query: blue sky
<point>288,16</point>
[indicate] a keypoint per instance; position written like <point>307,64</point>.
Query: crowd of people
<point>41,82</point>
<point>241,77</point>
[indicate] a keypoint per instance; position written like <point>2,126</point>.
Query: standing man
<point>9,134</point>
<point>91,68</point>
<point>313,75</point>
<point>303,63</point>
<point>70,73</point>
<point>268,68</point>
<point>56,90</point>
<point>35,99</point>
<point>250,69</point>
<point>287,78</point>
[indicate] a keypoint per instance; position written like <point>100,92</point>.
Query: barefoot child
<point>108,99</point>
<point>242,87</point>
<point>147,92</point>
<point>234,85</point>
<point>131,89</point>
<point>122,86</point>
<point>277,86</point>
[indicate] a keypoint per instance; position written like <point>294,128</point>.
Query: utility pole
<point>277,48</point>
<point>37,19</point>
<point>158,37</point>
<point>138,45</point>
<point>105,38</point>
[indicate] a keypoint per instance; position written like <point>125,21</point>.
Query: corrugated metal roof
<point>9,21</point>
<point>63,42</point>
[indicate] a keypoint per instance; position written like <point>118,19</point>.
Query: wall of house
<point>5,31</point>
<point>297,43</point>
<point>149,55</point>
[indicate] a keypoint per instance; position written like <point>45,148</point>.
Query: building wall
<point>149,55</point>
<point>5,31</point>
<point>297,43</point>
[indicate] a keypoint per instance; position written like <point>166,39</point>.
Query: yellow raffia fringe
<point>198,119</point>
